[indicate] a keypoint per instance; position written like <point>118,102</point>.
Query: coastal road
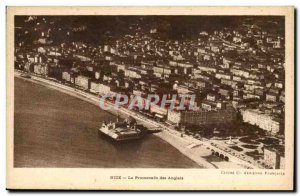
<point>168,134</point>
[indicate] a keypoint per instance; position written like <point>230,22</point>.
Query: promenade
<point>193,148</point>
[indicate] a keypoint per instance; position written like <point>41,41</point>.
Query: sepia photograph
<point>165,90</point>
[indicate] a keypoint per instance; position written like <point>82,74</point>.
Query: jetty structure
<point>122,130</point>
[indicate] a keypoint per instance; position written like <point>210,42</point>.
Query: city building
<point>273,158</point>
<point>264,121</point>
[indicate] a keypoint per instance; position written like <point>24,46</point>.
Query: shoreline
<point>190,147</point>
